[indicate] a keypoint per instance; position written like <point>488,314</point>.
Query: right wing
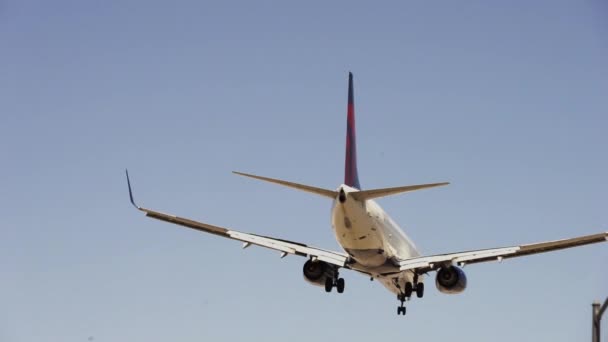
<point>433,262</point>
<point>283,246</point>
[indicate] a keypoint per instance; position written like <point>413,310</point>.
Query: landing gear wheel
<point>419,290</point>
<point>401,308</point>
<point>408,289</point>
<point>340,285</point>
<point>329,283</point>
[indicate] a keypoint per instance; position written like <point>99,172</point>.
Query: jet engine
<point>450,280</point>
<point>315,272</point>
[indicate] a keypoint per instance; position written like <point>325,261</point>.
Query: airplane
<point>372,243</point>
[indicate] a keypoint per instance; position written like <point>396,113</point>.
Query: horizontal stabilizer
<point>375,193</point>
<point>319,191</point>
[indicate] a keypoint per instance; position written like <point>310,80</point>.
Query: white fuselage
<point>370,237</point>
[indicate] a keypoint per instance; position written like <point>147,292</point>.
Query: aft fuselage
<point>371,238</point>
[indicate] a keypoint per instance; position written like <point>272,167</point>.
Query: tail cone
<point>342,196</point>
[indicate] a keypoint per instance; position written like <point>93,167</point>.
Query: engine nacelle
<point>315,272</point>
<point>451,280</point>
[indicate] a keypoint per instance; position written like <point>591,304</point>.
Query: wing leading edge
<point>429,263</point>
<point>284,246</point>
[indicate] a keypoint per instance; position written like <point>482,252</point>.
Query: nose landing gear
<point>401,308</point>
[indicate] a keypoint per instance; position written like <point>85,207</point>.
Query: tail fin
<point>351,175</point>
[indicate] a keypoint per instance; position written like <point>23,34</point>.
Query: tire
<point>328,284</point>
<point>408,289</point>
<point>340,285</point>
<point>420,290</point>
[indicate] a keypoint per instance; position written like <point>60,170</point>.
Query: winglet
<point>130,191</point>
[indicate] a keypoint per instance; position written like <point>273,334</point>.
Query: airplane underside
<point>365,232</point>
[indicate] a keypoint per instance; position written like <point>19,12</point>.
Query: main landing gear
<point>336,282</point>
<point>408,289</point>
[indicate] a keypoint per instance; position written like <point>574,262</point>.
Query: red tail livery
<point>351,175</point>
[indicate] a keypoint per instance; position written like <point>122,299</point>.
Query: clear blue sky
<point>506,100</point>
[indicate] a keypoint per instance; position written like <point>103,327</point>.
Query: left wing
<point>429,263</point>
<point>284,246</point>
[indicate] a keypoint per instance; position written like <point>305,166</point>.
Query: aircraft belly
<point>396,283</point>
<point>358,233</point>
